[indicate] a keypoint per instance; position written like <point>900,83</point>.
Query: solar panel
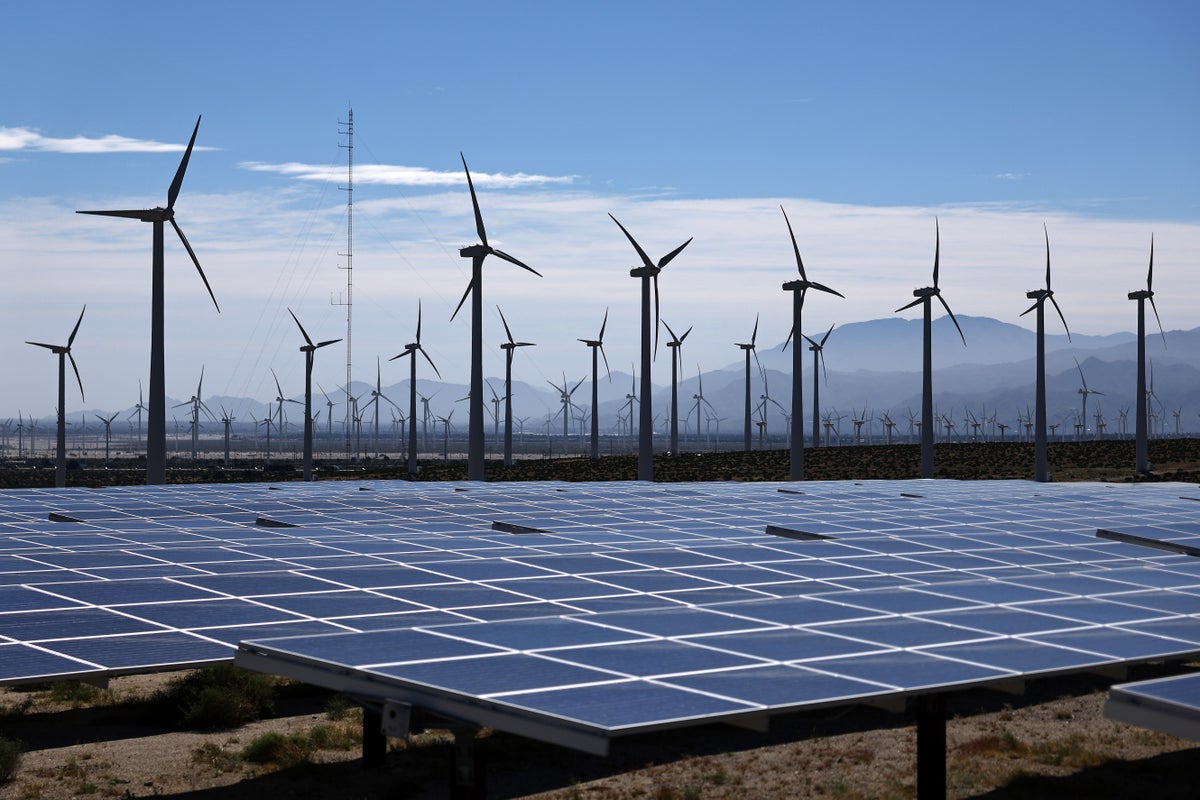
<point>1170,705</point>
<point>633,606</point>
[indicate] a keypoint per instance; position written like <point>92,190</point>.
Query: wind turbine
<point>197,405</point>
<point>675,346</point>
<point>925,298</point>
<point>309,349</point>
<point>765,399</point>
<point>1085,391</point>
<point>597,344</point>
<point>1141,448</point>
<point>564,397</point>
<point>156,430</point>
<point>477,253</point>
<point>411,349</point>
<point>1039,297</point>
<point>107,433</point>
<point>227,419</point>
<point>799,288</point>
<point>700,400</point>
<point>508,348</point>
<point>376,395</point>
<point>138,409</point>
<point>749,348</point>
<point>818,351</point>
<point>63,352</point>
<point>648,273</point>
<point>280,399</point>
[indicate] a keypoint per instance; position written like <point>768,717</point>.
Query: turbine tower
<point>156,425</point>
<point>308,348</point>
<point>818,351</point>
<point>1041,469</point>
<point>749,348</point>
<point>1085,391</point>
<point>508,348</point>
<point>597,344</point>
<point>63,352</point>
<point>648,273</point>
<point>925,297</point>
<point>675,346</point>
<point>411,349</point>
<point>1141,446</point>
<point>799,288</point>
<point>477,253</point>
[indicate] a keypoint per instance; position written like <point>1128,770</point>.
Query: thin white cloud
<point>1010,176</point>
<point>399,175</point>
<point>12,139</point>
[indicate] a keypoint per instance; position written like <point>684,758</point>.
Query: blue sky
<point>865,120</point>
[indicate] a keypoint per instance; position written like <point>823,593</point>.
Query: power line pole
<point>347,130</point>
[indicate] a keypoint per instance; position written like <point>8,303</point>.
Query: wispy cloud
<point>400,175</point>
<point>12,139</point>
<point>1010,176</point>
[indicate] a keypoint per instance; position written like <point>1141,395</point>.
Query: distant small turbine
<point>1141,447</point>
<point>748,348</point>
<point>818,351</point>
<point>564,397</point>
<point>63,352</point>
<point>107,433</point>
<point>411,349</point>
<point>597,344</point>
<point>508,348</point>
<point>1085,391</point>
<point>799,288</point>
<point>648,273</point>
<point>925,297</point>
<point>1039,297</point>
<point>477,253</point>
<point>309,349</point>
<point>675,346</point>
<point>156,426</point>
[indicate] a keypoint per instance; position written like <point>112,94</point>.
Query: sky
<point>866,121</point>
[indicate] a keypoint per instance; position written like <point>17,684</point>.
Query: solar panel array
<point>613,606</point>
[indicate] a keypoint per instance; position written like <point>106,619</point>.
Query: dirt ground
<point>1051,742</point>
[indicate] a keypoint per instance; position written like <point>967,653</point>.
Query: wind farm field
<point>1176,459</point>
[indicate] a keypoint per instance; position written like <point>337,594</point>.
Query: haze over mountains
<point>872,365</point>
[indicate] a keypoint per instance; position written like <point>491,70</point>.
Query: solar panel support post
<point>374,740</point>
<point>931,747</point>
<point>467,778</point>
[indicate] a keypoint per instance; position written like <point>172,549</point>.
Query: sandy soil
<point>1051,742</point>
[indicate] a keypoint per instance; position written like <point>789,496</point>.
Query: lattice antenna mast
<point>347,130</point>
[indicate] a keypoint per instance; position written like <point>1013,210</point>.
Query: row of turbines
<point>647,274</point>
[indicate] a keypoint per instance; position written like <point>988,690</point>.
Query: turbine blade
<point>910,305</point>
<point>662,262</point>
<point>430,360</point>
<point>937,250</point>
<point>187,245</point>
<point>810,341</point>
<point>685,333</point>
<point>826,336</point>
<point>796,247</point>
<point>75,330</point>
<point>674,338</point>
<point>1154,308</point>
<point>1047,232</point>
<point>418,322</point>
<point>507,332</point>
<point>603,325</point>
<point>47,346</point>
<point>1150,270</point>
<point>946,305</point>
<point>511,260</point>
<point>606,369</point>
<point>331,341</point>
<point>393,358</point>
<point>1031,308</point>
<point>278,388</point>
<point>581,380</point>
<point>474,203</point>
<point>75,367</point>
<point>754,335</point>
<point>173,192</point>
<point>788,340</point>
<point>642,253</point>
<point>820,287</point>
<point>656,317</point>
<point>303,332</point>
<point>470,285</point>
<point>1060,316</point>
<point>130,213</point>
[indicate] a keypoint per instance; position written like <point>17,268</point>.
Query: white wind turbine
<point>818,351</point>
<point>924,297</point>
<point>1039,297</point>
<point>597,345</point>
<point>675,346</point>
<point>309,349</point>
<point>411,349</point>
<point>64,353</point>
<point>156,426</point>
